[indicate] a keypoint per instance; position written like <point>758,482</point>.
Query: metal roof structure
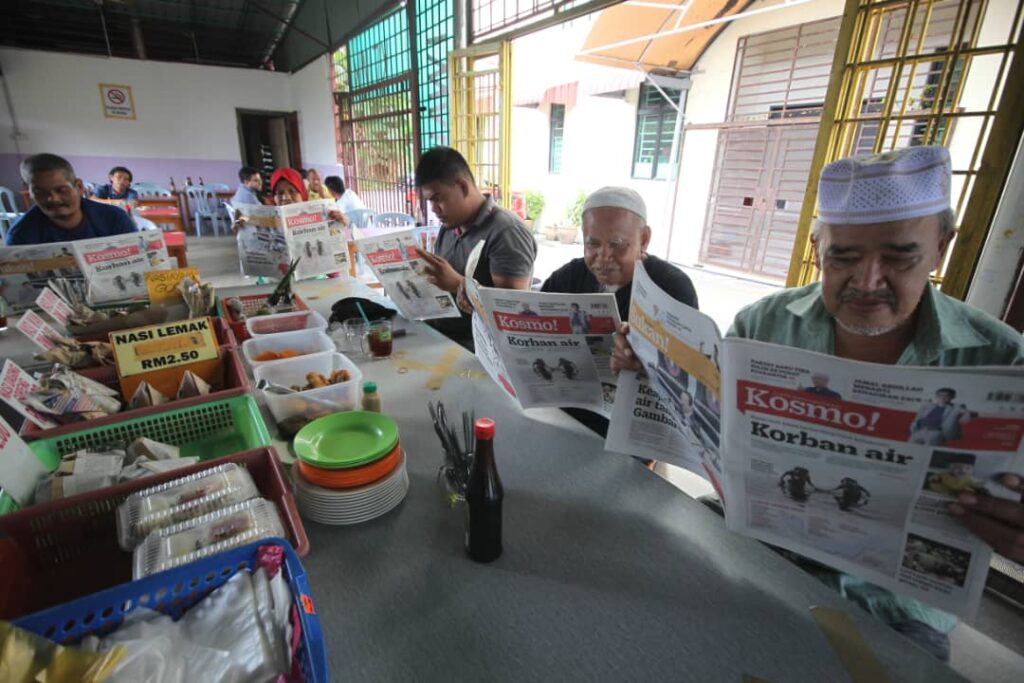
<point>284,35</point>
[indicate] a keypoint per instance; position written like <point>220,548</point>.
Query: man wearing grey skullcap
<point>884,224</point>
<point>615,237</point>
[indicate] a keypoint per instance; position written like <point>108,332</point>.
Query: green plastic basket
<point>207,430</point>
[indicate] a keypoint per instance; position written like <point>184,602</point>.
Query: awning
<point>653,34</point>
<point>584,79</point>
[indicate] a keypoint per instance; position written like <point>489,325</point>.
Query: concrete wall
<point>185,115</point>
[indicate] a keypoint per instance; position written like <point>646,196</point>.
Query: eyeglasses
<point>616,246</point>
<point>62,191</point>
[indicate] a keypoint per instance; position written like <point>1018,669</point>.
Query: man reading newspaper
<point>884,225</point>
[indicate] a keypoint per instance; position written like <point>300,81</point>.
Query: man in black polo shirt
<point>615,237</point>
<point>468,217</point>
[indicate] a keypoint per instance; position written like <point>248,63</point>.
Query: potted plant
<point>574,218</point>
<point>534,207</point>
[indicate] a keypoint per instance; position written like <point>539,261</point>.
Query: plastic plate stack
<point>351,468</point>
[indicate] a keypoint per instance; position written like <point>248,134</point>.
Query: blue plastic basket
<point>173,592</point>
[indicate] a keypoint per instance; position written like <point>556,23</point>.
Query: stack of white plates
<point>351,506</point>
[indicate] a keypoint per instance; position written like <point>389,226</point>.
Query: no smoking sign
<point>117,101</point>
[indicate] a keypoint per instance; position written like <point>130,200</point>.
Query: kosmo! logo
<point>110,254</point>
<point>301,219</point>
<point>508,322</point>
<point>384,256</point>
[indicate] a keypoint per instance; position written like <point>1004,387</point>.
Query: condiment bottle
<point>371,399</point>
<point>484,497</point>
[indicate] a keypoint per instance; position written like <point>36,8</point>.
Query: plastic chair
<point>203,205</point>
<point>144,223</point>
<point>8,211</point>
<point>90,188</point>
<point>219,187</point>
<point>394,219</point>
<point>146,190</point>
<point>360,218</point>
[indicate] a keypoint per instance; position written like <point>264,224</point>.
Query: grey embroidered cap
<point>617,198</point>
<point>898,185</point>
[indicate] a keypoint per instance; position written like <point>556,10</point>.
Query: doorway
<point>269,140</point>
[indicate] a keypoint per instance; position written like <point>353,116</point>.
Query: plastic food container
<point>304,342</point>
<point>294,370</point>
<point>180,500</point>
<point>250,304</point>
<point>285,322</point>
<point>206,536</point>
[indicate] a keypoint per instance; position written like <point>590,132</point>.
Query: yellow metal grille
<point>481,113</point>
<point>918,72</point>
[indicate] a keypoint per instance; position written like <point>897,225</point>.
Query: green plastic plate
<point>347,439</point>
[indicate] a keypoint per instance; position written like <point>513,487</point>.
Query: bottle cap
<point>369,387</point>
<point>484,428</point>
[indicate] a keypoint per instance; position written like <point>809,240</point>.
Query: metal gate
<point>481,111</point>
<point>760,176</point>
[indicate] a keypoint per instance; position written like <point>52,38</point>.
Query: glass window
<point>655,125</point>
<point>557,130</point>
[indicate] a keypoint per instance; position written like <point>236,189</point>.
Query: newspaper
<point>115,267</point>
<point>272,236</point>
<point>555,348</point>
<point>15,384</point>
<point>850,464</point>
<point>24,272</point>
<point>392,258</point>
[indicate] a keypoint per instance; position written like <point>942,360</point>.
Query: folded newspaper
<point>24,272</point>
<point>850,464</point>
<point>272,236</point>
<point>393,259</point>
<point>115,267</point>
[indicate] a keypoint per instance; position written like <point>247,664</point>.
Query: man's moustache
<point>852,294</point>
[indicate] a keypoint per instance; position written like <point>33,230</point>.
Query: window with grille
<point>435,28</point>
<point>655,127</point>
<point>557,130</point>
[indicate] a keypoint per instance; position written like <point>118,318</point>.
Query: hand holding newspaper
<point>272,236</point>
<point>393,259</point>
<point>851,464</point>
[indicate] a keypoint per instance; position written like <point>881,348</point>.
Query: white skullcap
<point>617,198</point>
<point>892,186</point>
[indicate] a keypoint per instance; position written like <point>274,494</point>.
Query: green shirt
<point>949,333</point>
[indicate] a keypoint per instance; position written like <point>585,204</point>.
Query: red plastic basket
<point>66,549</point>
<point>225,337</point>
<point>250,304</point>
<point>236,383</point>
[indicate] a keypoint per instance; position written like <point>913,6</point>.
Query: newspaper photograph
<point>271,237</point>
<point>24,272</point>
<point>393,259</point>
<point>115,267</point>
<point>854,464</point>
<point>680,350</point>
<point>555,348</point>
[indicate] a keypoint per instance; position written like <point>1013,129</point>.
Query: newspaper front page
<point>24,272</point>
<point>393,259</point>
<point>855,464</point>
<point>555,348</point>
<point>673,413</point>
<point>271,237</point>
<point>115,267</point>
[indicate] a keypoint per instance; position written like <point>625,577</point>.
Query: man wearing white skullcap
<point>615,237</point>
<point>884,224</point>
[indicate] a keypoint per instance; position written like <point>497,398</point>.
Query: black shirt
<point>509,251</point>
<point>575,278</point>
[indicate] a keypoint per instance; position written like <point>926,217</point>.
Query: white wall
<point>185,114</point>
<point>711,80</point>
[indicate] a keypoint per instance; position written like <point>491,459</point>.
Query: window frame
<point>555,158</point>
<point>663,112</point>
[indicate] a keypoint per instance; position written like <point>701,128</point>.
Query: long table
<point>608,572</point>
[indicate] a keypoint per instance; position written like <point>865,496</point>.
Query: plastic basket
<point>250,304</point>
<point>60,551</point>
<point>236,383</point>
<point>285,322</point>
<point>173,592</point>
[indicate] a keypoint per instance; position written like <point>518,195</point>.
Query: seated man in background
<point>250,183</point>
<point>615,238</point>
<point>884,224</point>
<point>315,187</point>
<point>346,199</point>
<point>61,212</point>
<point>468,217</point>
<point>119,187</point>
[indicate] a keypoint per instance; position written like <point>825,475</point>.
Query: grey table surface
<point>608,573</point>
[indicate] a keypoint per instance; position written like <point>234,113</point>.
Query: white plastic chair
<point>203,205</point>
<point>360,218</point>
<point>147,190</point>
<point>230,211</point>
<point>8,211</point>
<point>144,223</point>
<point>219,187</point>
<point>394,219</point>
<point>90,188</point>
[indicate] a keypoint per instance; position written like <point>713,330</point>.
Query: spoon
<point>271,388</point>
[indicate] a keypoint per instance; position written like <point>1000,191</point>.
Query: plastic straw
<point>362,313</point>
